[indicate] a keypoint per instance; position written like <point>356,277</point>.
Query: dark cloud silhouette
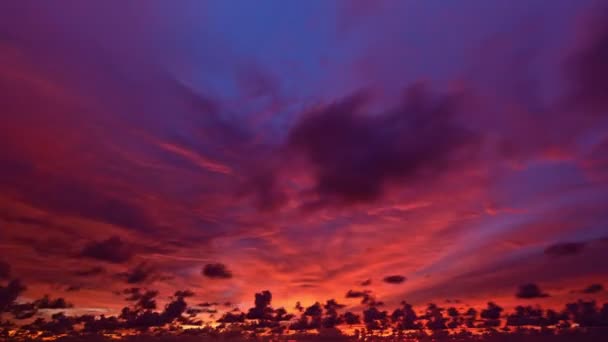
<point>491,315</point>
<point>587,70</point>
<point>23,310</point>
<point>262,309</point>
<point>5,270</point>
<point>357,294</point>
<point>183,294</point>
<point>593,288</point>
<point>9,293</point>
<point>354,155</point>
<point>48,303</point>
<point>405,317</point>
<point>367,282</point>
<point>93,271</point>
<point>375,319</point>
<point>394,279</point>
<point>216,271</point>
<point>140,273</point>
<point>528,291</point>
<point>112,250</point>
<point>143,300</point>
<point>565,248</point>
<point>207,304</point>
<point>230,317</point>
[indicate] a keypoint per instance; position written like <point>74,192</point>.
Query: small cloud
<point>367,282</point>
<point>565,248</point>
<point>139,274</point>
<point>216,271</point>
<point>47,303</point>
<point>112,250</point>
<point>90,271</point>
<point>593,288</point>
<point>357,294</point>
<point>394,279</point>
<point>531,290</point>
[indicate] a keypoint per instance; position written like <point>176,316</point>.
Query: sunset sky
<point>304,147</point>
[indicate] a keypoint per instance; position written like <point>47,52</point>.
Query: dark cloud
<point>366,296</point>
<point>183,294</point>
<point>356,294</point>
<point>48,303</point>
<point>354,154</point>
<point>394,279</point>
<point>112,250</point>
<point>9,293</point>
<point>207,304</point>
<point>262,309</point>
<point>587,69</point>
<point>216,271</point>
<point>367,282</point>
<point>139,274</point>
<point>491,315</point>
<point>23,310</point>
<point>528,291</point>
<point>593,288</point>
<point>93,271</point>
<point>5,270</point>
<point>144,300</point>
<point>564,249</point>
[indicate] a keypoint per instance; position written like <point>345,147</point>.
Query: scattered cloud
<point>529,291</point>
<point>216,271</point>
<point>394,279</point>
<point>112,250</point>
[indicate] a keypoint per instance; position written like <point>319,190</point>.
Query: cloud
<point>138,274</point>
<point>529,291</point>
<point>593,288</point>
<point>5,270</point>
<point>112,250</point>
<point>587,71</point>
<point>366,282</point>
<point>216,271</point>
<point>356,294</point>
<point>144,300</point>
<point>354,155</point>
<point>394,279</point>
<point>47,303</point>
<point>93,271</point>
<point>9,293</point>
<point>565,248</point>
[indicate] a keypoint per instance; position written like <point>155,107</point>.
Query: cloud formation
<point>216,271</point>
<point>355,154</point>
<point>113,250</point>
<point>394,279</point>
<point>529,291</point>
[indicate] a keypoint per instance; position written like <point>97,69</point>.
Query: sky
<point>304,147</point>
